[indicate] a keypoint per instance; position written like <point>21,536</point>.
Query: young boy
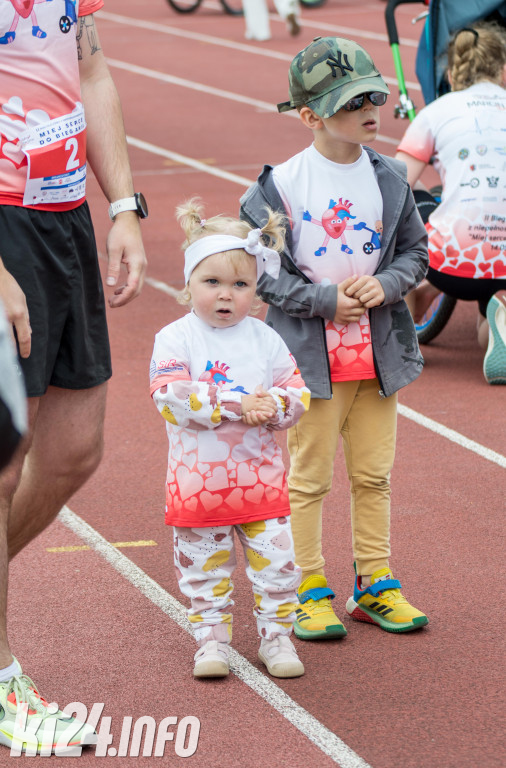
<point>356,247</point>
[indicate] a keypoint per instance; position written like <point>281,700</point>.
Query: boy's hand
<point>258,408</point>
<point>368,290</point>
<point>349,309</point>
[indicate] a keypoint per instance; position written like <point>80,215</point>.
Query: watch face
<point>142,206</point>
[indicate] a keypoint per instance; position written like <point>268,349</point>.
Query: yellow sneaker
<point>383,604</point>
<point>315,618</point>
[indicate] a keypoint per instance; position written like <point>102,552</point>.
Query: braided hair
<point>477,53</point>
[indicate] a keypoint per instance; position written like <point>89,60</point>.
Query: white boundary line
<point>452,435</point>
<point>260,105</point>
<point>352,32</point>
<point>184,160</point>
<point>326,741</point>
<point>256,50</point>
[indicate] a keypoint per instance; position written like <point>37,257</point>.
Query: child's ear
<point>310,119</point>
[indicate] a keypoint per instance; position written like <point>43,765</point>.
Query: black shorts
<point>466,288</point>
<point>53,257</point>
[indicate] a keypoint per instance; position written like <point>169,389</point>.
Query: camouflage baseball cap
<point>327,73</point>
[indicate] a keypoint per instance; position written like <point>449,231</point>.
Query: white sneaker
<point>280,657</point>
<point>29,724</point>
<point>212,660</point>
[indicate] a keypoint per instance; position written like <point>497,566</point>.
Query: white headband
<point>267,259</point>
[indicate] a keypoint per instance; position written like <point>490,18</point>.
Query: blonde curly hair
<point>190,216</point>
<point>477,53</point>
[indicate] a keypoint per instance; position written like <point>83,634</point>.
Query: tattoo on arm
<point>86,36</point>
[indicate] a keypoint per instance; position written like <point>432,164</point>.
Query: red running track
<point>101,624</point>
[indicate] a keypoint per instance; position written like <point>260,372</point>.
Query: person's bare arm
<point>107,154</point>
<point>14,302</point>
<point>415,167</point>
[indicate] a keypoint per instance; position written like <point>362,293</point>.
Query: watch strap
<point>125,204</point>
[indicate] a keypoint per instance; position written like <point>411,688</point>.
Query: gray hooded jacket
<point>299,308</point>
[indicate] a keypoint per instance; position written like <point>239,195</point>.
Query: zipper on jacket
<point>381,392</point>
<point>394,234</point>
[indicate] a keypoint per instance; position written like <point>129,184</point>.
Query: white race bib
<point>56,154</point>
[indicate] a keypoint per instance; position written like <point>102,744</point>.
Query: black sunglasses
<point>376,97</point>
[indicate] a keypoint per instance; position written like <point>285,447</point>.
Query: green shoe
<point>315,618</point>
<point>494,363</point>
<point>42,730</point>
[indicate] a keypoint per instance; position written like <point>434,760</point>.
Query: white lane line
<point>219,92</point>
<point>452,435</point>
<point>337,29</point>
<point>178,158</point>
<point>326,741</point>
<point>163,287</point>
<point>256,50</point>
<point>200,87</point>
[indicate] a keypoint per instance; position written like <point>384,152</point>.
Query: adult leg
<point>9,480</point>
<point>289,10</point>
<point>14,686</point>
<point>62,450</point>
<point>66,448</point>
<point>256,17</point>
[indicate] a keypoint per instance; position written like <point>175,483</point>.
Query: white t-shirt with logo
<point>465,132</point>
<point>336,214</point>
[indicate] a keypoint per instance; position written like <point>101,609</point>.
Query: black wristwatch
<point>136,203</point>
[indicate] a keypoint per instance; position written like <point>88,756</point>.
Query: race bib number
<point>56,154</point>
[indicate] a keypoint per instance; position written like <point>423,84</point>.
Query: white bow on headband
<point>267,259</point>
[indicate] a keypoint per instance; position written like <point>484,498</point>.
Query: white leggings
<point>256,15</point>
<point>205,560</point>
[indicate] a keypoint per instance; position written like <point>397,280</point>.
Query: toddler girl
<point>224,381</point>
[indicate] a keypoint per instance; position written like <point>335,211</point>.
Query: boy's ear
<point>310,119</point>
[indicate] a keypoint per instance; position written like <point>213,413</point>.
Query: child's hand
<point>349,309</point>
<point>368,290</point>
<point>258,408</point>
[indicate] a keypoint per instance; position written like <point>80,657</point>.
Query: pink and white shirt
<point>42,123</point>
<point>221,471</point>
<point>465,133</point>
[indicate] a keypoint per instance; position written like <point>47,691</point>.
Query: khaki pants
<point>367,424</point>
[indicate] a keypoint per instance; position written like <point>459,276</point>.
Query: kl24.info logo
<point>40,735</point>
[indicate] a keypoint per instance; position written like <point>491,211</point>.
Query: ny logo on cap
<point>335,64</point>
